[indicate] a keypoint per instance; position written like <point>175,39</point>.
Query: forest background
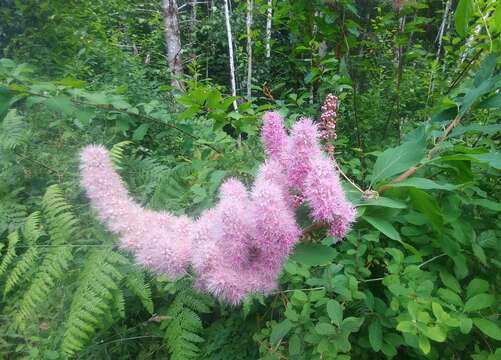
<point>177,90</point>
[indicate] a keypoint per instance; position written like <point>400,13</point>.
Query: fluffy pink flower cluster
<point>237,247</point>
<point>328,122</point>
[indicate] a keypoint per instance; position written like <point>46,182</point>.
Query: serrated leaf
<point>335,311</point>
<point>325,329</point>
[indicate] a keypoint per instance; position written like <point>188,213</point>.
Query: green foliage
<point>97,300</point>
<point>418,275</point>
<point>183,325</point>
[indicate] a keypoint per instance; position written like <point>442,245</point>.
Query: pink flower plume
<point>237,247</point>
<point>159,240</point>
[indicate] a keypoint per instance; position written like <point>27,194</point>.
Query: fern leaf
<point>98,297</point>
<point>23,265</point>
<point>184,324</point>
<point>32,228</point>
<point>61,225</point>
<point>52,269</point>
<point>117,153</point>
<point>136,283</point>
<point>31,232</point>
<point>14,131</point>
<point>13,239</point>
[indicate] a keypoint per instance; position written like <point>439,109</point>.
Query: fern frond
<point>184,324</point>
<point>136,283</point>
<point>61,225</point>
<point>31,232</point>
<point>53,268</point>
<point>23,266</point>
<point>32,229</point>
<point>13,239</point>
<point>14,131</point>
<point>117,153</point>
<point>98,297</point>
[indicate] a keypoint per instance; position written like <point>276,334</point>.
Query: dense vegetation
<point>418,83</point>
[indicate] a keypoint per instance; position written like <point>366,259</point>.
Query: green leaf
<point>439,312</point>
<point>376,335</point>
<point>294,345</point>
<point>488,204</point>
<point>60,104</point>
<point>465,325</point>
<point>384,202</point>
<point>140,132</point>
<point>424,344</point>
<point>462,16</point>
<point>490,129</point>
<point>396,160</point>
<point>450,296</point>
<point>485,70</point>
<point>493,102</point>
<point>497,17</point>
<point>300,296</point>
<point>476,286</point>
<point>279,331</point>
<point>435,333</point>
<point>335,311</point>
<point>313,254</point>
<point>325,329</point>
<point>352,324</point>
<point>406,326</point>
<point>488,327</point>
<point>383,226</point>
<point>478,302</point>
<point>425,184</point>
<point>427,205</point>
<point>492,158</point>
<point>450,281</point>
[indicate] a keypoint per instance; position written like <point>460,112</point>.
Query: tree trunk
<point>173,42</point>
<point>230,53</point>
<point>269,16</point>
<point>250,5</point>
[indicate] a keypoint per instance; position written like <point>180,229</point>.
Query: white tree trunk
<point>269,16</point>
<point>173,42</point>
<point>442,28</point>
<point>230,53</point>
<point>250,6</point>
<point>193,4</point>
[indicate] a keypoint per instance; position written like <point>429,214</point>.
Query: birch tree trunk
<point>173,42</point>
<point>250,6</point>
<point>269,16</point>
<point>230,53</point>
<point>193,4</point>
